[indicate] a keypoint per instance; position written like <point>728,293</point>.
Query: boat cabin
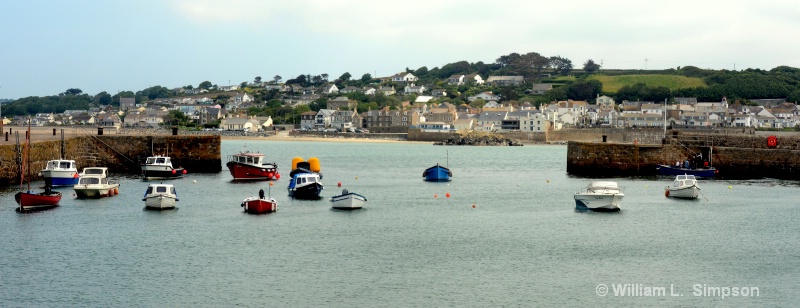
<point>59,164</point>
<point>247,159</point>
<point>158,160</point>
<point>96,171</point>
<point>160,190</point>
<point>306,178</point>
<point>685,180</point>
<point>92,181</point>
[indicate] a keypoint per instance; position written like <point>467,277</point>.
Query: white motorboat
<point>684,186</point>
<point>60,172</point>
<point>160,197</point>
<point>348,201</point>
<point>160,168</point>
<point>601,196</point>
<point>94,183</point>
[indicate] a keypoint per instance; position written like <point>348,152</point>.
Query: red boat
<point>29,201</point>
<point>260,204</point>
<point>251,166</point>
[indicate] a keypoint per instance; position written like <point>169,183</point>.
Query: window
<point>160,160</point>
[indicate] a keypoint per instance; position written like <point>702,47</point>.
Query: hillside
<point>611,84</point>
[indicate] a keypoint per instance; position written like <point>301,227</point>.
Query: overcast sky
<point>47,47</point>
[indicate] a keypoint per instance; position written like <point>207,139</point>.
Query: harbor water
<point>503,232</point>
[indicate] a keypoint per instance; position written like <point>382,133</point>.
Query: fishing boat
<point>60,173</point>
<point>246,165</point>
<point>27,199</point>
<point>600,196</point>
<point>160,168</point>
<point>94,183</point>
<point>438,173</point>
<point>348,201</point>
<point>260,205</point>
<point>684,186</point>
<point>698,172</point>
<point>306,180</point>
<point>160,197</point>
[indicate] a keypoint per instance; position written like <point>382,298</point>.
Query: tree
<point>561,65</point>
<point>243,84</point>
<point>205,85</point>
<point>277,79</point>
<point>590,66</point>
<point>102,99</point>
<point>316,80</point>
<point>366,78</point>
<point>258,80</point>
<point>584,89</point>
<point>324,77</point>
<point>72,91</point>
<point>345,77</point>
<point>794,96</point>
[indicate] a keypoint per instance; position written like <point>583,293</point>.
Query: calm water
<point>522,245</point>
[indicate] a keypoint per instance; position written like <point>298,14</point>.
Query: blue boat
<point>305,183</point>
<point>60,173</point>
<point>699,172</point>
<point>437,174</point>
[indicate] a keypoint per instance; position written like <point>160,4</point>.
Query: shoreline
<point>284,136</point>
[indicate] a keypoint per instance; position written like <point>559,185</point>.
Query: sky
<point>47,47</point>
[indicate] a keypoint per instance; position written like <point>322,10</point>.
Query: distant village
<point>425,112</point>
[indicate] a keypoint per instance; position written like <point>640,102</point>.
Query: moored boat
<point>684,186</point>
<point>60,173</point>
<point>160,168</point>
<point>260,205</point>
<point>94,183</point>
<point>251,166</point>
<point>160,197</point>
<point>600,196</point>
<point>306,180</point>
<point>27,199</point>
<point>348,201</point>
<point>437,173</point>
<point>698,172</point>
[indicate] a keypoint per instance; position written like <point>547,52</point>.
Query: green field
<point>613,83</point>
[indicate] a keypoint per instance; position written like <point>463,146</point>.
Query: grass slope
<point>612,84</point>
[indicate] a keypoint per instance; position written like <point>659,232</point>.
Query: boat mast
<point>28,154</point>
<point>447,153</point>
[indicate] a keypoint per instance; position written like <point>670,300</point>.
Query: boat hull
<point>437,174</point>
<point>31,202</point>
<point>161,202</point>
<point>60,178</point>
<point>309,191</point>
<point>96,191</point>
<point>598,202</point>
<point>672,170</point>
<point>349,201</point>
<point>161,172</point>
<point>691,192</point>
<point>244,172</point>
<point>259,206</point>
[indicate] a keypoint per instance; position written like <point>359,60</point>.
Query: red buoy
<point>447,195</point>
<point>75,175</point>
<point>184,171</point>
<point>339,184</point>
<point>174,171</point>
<point>772,141</point>
<point>666,193</point>
<point>277,176</point>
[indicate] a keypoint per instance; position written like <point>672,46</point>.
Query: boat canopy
<point>60,164</point>
<point>158,160</point>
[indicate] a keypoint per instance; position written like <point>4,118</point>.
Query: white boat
<point>94,183</point>
<point>348,201</point>
<point>684,186</point>
<point>60,172</point>
<point>160,197</point>
<point>160,168</point>
<point>601,196</point>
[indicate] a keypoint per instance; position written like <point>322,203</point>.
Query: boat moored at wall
<point>160,168</point>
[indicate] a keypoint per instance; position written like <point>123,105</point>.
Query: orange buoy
<point>277,176</point>
<point>447,195</point>
<point>174,171</point>
<point>473,205</point>
<point>435,196</point>
<point>271,184</point>
<point>339,184</point>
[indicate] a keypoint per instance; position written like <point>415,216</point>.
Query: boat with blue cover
<point>306,180</point>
